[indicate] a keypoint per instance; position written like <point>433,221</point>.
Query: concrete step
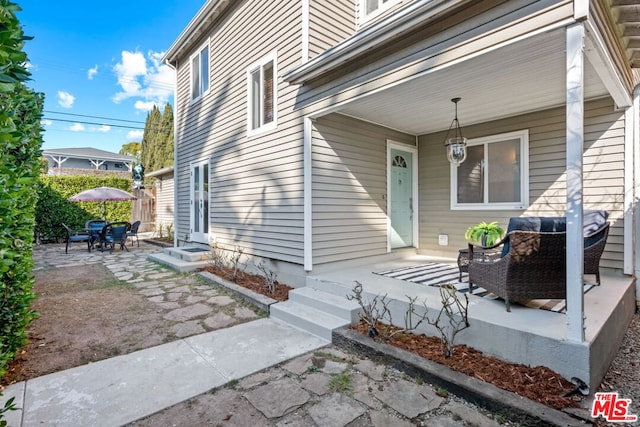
<point>176,263</point>
<point>312,320</point>
<point>336,305</point>
<point>189,254</point>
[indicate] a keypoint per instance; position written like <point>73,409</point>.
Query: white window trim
<point>197,53</point>
<point>364,18</point>
<point>523,135</point>
<point>273,56</point>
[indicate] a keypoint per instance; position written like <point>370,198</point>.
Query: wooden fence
<point>144,209</point>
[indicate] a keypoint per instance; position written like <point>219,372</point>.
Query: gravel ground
<point>624,373</point>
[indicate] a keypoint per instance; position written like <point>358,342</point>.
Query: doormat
<point>437,274</point>
<point>194,250</point>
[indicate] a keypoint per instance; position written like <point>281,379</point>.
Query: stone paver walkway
<point>195,307</point>
<point>325,388</point>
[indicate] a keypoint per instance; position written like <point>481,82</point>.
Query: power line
<point>93,123</point>
<point>92,117</point>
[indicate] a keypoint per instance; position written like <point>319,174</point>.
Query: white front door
<point>401,198</point>
<point>199,200</point>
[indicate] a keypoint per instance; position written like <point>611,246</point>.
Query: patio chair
<point>112,234</point>
<point>134,232</point>
<point>594,244</point>
<point>76,236</point>
<point>93,227</point>
<point>534,267</point>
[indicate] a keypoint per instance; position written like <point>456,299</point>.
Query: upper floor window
<point>200,72</point>
<point>371,8</point>
<point>495,174</point>
<point>262,96</point>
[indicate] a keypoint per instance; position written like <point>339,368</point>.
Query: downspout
<point>631,176</point>
<point>307,190</point>
<point>635,222</point>
<point>174,67</point>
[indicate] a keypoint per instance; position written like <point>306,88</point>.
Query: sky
<point>99,65</point>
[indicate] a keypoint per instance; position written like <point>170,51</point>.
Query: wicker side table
<point>478,254</point>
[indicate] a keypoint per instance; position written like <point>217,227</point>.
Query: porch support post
<point>635,207</point>
<point>575,149</point>
<point>308,199</point>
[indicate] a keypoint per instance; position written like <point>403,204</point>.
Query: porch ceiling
<point>525,76</point>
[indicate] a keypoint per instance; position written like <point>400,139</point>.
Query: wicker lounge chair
<point>534,267</point>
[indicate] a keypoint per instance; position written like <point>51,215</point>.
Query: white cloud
<point>65,99</point>
<point>135,135</point>
<point>144,105</point>
<point>92,72</point>
<point>103,128</point>
<point>46,122</point>
<point>144,77</point>
<point>76,127</point>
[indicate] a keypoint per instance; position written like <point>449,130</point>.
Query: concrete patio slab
<point>250,347</point>
<point>122,389</point>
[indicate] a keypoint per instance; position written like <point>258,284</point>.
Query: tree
<point>157,140</point>
<point>133,149</point>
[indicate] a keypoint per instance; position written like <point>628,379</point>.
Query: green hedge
<point>53,207</point>
<point>20,142</point>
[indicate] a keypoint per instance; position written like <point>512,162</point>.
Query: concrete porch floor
<point>524,335</point>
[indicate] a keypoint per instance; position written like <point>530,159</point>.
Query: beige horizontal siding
<point>330,22</point>
<point>349,187</point>
<point>256,197</point>
<point>603,176</point>
<point>164,202</point>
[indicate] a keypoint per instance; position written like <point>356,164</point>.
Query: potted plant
<point>485,233</point>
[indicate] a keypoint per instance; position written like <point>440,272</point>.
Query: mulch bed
<point>253,282</point>
<point>538,383</point>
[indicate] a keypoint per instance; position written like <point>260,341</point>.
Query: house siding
<point>164,202</point>
<point>329,24</point>
<point>256,190</point>
<point>349,187</point>
<point>603,176</point>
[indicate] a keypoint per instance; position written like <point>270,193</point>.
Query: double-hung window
<point>495,174</point>
<point>200,72</point>
<point>371,8</point>
<point>262,95</point>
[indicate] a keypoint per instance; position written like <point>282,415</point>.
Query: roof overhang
<point>392,27</point>
<point>195,30</point>
<point>159,172</point>
<point>521,75</point>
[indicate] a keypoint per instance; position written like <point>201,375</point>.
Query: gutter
<point>394,25</point>
<point>209,12</point>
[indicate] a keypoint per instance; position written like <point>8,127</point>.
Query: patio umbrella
<point>102,194</point>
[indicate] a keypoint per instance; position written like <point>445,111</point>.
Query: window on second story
<point>200,72</point>
<point>371,8</point>
<point>262,108</point>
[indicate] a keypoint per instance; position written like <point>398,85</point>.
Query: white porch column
<point>575,149</point>
<point>308,199</point>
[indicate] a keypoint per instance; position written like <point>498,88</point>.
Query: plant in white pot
<point>485,233</point>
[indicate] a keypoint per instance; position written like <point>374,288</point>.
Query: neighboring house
<point>164,199</point>
<point>87,158</point>
<point>311,132</point>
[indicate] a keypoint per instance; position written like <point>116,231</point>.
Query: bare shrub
<point>218,257</point>
<point>377,315</point>
<point>452,318</point>
<point>268,275</point>
<point>234,259</point>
